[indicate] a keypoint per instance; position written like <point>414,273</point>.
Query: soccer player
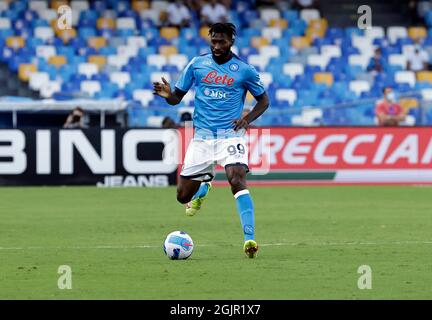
<point>221,81</point>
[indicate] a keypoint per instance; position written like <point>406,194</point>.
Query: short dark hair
<point>226,28</point>
<point>185,116</point>
<point>166,120</point>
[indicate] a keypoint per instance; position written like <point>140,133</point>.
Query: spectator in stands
<point>388,110</point>
<point>186,119</point>
<point>178,14</point>
<point>418,60</point>
<point>168,123</point>
<point>213,12</point>
<point>75,119</point>
<point>376,63</point>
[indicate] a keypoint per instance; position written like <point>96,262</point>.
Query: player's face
<point>220,45</point>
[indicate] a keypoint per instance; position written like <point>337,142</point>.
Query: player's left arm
<point>254,85</point>
<point>260,107</point>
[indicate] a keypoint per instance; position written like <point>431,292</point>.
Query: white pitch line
<point>80,247</point>
<point>292,244</point>
<point>345,243</point>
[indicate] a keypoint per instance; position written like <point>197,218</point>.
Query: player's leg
<point>186,189</point>
<point>236,174</point>
<point>197,200</point>
<point>198,171</point>
<point>192,193</point>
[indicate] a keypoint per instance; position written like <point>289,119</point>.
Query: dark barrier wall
<point>88,157</point>
<point>152,158</point>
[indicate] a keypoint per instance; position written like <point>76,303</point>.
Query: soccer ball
<point>178,245</point>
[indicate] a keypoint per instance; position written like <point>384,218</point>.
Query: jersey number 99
<point>232,150</point>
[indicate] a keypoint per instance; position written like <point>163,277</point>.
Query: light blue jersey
<point>220,91</point>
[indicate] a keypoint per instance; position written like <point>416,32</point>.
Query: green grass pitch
<point>312,241</point>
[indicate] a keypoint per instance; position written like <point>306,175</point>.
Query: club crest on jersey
<point>234,67</point>
<point>214,78</point>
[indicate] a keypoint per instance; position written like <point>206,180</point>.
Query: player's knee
<point>237,181</point>
<point>183,197</point>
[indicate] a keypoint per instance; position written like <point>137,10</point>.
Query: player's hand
<point>240,124</point>
<point>162,89</point>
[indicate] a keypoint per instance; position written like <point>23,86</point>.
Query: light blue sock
<point>245,209</point>
<point>201,191</point>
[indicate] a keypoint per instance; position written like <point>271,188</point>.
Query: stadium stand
<point>315,73</point>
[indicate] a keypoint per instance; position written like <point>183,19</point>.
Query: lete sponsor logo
<point>214,78</point>
<point>347,148</point>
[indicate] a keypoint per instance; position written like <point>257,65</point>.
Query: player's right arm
<point>164,90</point>
<point>182,86</point>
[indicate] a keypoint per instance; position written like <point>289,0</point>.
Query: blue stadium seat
<point>335,33</point>
<point>327,102</point>
<point>318,42</point>
<point>353,70</point>
<point>402,87</point>
<point>5,33</point>
<point>85,22</point>
<point>106,33</point>
<point>107,51</point>
<point>188,33</point>
<point>125,33</point>
<point>400,42</point>
<point>34,42</point>
<point>298,26</point>
<point>18,6</point>
<point>98,5</point>
<point>391,50</point>
<point>349,32</point>
<point>66,72</point>
<point>301,83</point>
<point>124,94</point>
<point>290,15</point>
<point>86,32</point>
<point>89,14</point>
<point>87,51</point>
<point>101,77</point>
<point>248,16</point>
<point>422,85</point>
<point>429,117</point>
<point>39,23</point>
<point>416,113</point>
<point>70,86</point>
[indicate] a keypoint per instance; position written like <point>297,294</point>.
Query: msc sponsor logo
<point>216,94</point>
